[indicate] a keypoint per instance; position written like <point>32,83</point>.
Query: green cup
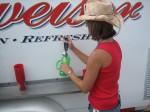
<point>64,59</point>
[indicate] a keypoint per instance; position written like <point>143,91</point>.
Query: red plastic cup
<point>20,76</point>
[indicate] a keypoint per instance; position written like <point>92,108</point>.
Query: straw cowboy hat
<point>101,10</point>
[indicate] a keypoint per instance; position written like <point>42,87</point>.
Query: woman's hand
<point>68,40</point>
<point>65,68</point>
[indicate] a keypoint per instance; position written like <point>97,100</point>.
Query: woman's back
<point>104,93</point>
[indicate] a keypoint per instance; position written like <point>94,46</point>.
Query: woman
<point>104,63</point>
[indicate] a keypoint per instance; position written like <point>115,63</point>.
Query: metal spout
<point>65,53</point>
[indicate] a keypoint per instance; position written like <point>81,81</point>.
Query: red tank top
<point>104,93</point>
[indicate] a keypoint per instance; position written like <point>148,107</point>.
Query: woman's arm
<point>83,57</point>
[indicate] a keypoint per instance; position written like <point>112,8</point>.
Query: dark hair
<point>100,30</point>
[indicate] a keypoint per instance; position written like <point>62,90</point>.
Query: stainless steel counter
<point>38,88</point>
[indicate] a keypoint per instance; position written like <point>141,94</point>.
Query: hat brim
<point>115,19</point>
